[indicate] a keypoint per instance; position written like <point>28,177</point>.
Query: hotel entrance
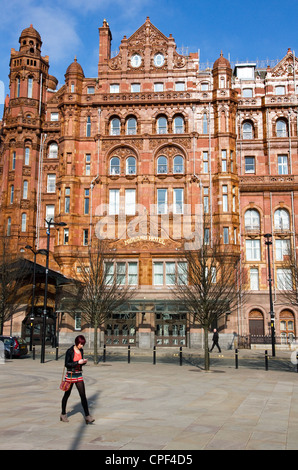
<point>170,325</point>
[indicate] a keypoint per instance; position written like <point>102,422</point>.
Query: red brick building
<point>152,134</point>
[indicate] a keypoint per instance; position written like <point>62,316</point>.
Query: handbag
<point>65,385</point>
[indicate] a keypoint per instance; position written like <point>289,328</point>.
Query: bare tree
<point>15,280</point>
<point>97,290</point>
<point>287,277</point>
<point>210,285</point>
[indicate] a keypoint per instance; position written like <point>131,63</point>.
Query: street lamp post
<point>268,242</point>
<point>35,253</point>
<point>49,223</point>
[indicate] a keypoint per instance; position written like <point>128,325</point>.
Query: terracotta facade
<point>124,154</point>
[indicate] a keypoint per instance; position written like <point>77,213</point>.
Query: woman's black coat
<point>70,364</point>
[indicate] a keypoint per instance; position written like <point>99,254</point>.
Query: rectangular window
<point>170,273</point>
<point>120,273</point>
<point>223,161</point>
<point>158,273</point>
<point>226,235</point>
<point>24,222</point>
<point>182,272</point>
<point>254,279</point>
<point>27,156</point>
<point>205,162</point>
<point>13,166</point>
<point>284,279</point>
<point>250,165</point>
<point>114,88</point>
<point>178,201</point>
<point>51,183</point>
<point>11,193</point>
<point>206,236</point>
<point>50,212</point>
<point>54,116</point>
<point>179,86</point>
<point>162,201</point>
<point>67,200</point>
<point>114,195</point>
<point>282,248</point>
<point>206,200</point>
<point>158,86</point>
<point>78,321</point>
<point>130,201</point>
<point>135,87</point>
<point>88,164</point>
<point>225,198</point>
<point>247,92</point>
<point>85,237</point>
<point>86,202</point>
<point>132,273</point>
<point>90,90</point>
<point>65,236</point>
<point>282,161</point>
<point>30,88</point>
<point>253,250</point>
<point>109,273</point>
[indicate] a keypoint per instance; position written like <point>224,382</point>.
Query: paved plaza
<point>153,407</point>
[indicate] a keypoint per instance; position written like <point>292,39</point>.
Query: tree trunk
<point>95,344</point>
<point>206,348</point>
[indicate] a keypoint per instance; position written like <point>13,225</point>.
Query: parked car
<point>15,346</point>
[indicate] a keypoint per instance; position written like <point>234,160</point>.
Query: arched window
<point>131,126</point>
<point>162,165</point>
<point>115,166</point>
<point>27,155</point>
<point>178,125</point>
<point>178,164</point>
<point>115,126</point>
<point>247,130</point>
<point>88,127</point>
<point>281,128</point>
<point>252,220</point>
<point>24,222</point>
<point>162,125</point>
<point>131,166</point>
<point>53,150</point>
<point>281,220</point>
<point>25,189</point>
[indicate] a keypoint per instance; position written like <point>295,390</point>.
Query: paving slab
<point>141,406</point>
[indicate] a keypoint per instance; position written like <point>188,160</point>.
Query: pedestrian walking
<point>215,340</point>
<point>74,360</point>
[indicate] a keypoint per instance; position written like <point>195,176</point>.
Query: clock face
<point>136,60</point>
<point>159,60</point>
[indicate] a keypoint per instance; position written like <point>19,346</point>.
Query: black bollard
<point>128,354</point>
<point>104,353</point>
<point>154,355</point>
<point>236,358</point>
<point>266,360</point>
<point>33,351</point>
<point>297,361</point>
<point>180,355</point>
<point>57,353</point>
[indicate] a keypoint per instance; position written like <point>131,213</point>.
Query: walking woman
<point>74,360</point>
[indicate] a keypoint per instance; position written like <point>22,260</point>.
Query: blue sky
<point>68,28</point>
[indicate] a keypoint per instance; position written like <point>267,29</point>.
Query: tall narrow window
<point>13,163</point>
<point>132,273</point>
<point>253,250</point>
<point>254,279</point>
<point>282,165</point>
<point>114,195</point>
<point>50,213</point>
<point>51,183</point>
<point>67,200</point>
<point>11,193</point>
<point>206,200</point>
<point>178,201</point>
<point>226,235</point>
<point>162,201</point>
<point>115,166</point>
<point>115,126</point>
<point>88,164</point>
<point>205,162</point>
<point>281,128</point>
<point>25,189</point>
<point>250,166</point>
<point>205,124</point>
<point>162,125</point>
<point>24,222</point>
<point>225,198</point>
<point>30,87</point>
<point>158,273</point>
<point>88,127</point>
<point>53,150</point>
<point>86,201</point>
<point>131,127</point>
<point>18,87</point>
<point>8,229</point>
<point>65,236</point>
<point>224,161</point>
<point>27,156</point>
<point>247,129</point>
<point>85,237</point>
<point>178,125</point>
<point>130,201</point>
<point>131,166</point>
<point>178,164</point>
